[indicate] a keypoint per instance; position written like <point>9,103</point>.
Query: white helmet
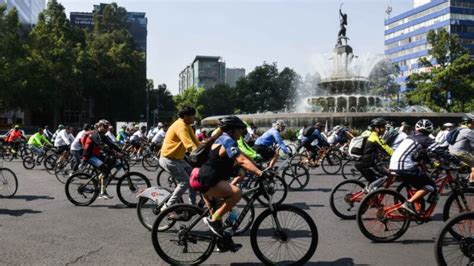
<point>424,125</point>
<point>280,124</point>
<point>448,125</point>
<point>160,125</point>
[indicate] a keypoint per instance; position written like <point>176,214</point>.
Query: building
<point>28,10</point>
<point>232,75</point>
<point>204,71</point>
<point>406,34</point>
<point>137,24</point>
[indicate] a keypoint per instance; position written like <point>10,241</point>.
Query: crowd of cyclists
<point>234,149</point>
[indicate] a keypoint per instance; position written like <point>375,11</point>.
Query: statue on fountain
<point>342,32</point>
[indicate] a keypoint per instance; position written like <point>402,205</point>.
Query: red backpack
<point>84,138</point>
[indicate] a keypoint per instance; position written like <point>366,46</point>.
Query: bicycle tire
<point>295,180</point>
<point>338,211</point>
<point>331,160</point>
<point>368,202</point>
<point>255,233</point>
<point>5,180</point>
<point>61,172</point>
<point>154,210</point>
<point>134,186</point>
<point>455,203</point>
<point>29,162</point>
<point>92,191</point>
<point>281,191</point>
<point>455,241</point>
<point>352,172</point>
<point>165,180</point>
<point>149,163</point>
<point>185,209</point>
<point>49,162</point>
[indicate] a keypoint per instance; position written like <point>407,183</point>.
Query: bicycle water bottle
<point>233,215</point>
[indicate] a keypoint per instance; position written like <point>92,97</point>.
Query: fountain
<point>344,95</point>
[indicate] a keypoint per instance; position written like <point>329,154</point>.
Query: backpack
<point>356,146</point>
<point>390,137</point>
<point>84,138</point>
<point>308,131</point>
<point>452,136</point>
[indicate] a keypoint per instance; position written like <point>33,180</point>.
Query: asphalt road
<point>39,226</point>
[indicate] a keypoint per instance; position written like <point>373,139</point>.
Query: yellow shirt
<point>178,139</point>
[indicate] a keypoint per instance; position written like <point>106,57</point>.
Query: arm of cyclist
<point>188,138</point>
<point>374,137</point>
<point>280,143</point>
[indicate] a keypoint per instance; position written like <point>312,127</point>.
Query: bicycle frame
<point>358,196</point>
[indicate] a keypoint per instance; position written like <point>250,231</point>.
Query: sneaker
<point>227,244</point>
<point>105,196</point>
<point>215,227</point>
<point>409,207</point>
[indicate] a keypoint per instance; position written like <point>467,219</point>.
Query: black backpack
<point>452,136</point>
<point>390,137</point>
<point>308,131</point>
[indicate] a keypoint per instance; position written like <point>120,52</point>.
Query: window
<point>417,15</point>
<point>427,23</point>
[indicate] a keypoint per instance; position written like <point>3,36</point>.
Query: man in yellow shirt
<point>179,139</point>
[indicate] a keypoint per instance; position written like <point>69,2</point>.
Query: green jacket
<point>246,149</point>
<point>38,140</point>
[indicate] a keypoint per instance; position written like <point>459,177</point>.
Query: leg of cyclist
<point>231,195</point>
<point>104,172</point>
<point>180,171</point>
<point>419,180</point>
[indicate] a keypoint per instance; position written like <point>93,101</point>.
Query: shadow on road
<point>17,213</point>
<point>339,262</point>
<point>305,206</point>
<point>32,197</point>
<point>316,189</point>
<point>116,206</point>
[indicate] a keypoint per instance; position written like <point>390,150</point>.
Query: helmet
<point>17,126</point>
<point>124,126</point>
<point>231,122</point>
<point>61,126</point>
<point>424,125</point>
<point>103,122</point>
<point>160,125</point>
<point>448,125</point>
<point>143,128</point>
<point>87,127</point>
<point>377,122</point>
<point>280,124</point>
<point>467,119</point>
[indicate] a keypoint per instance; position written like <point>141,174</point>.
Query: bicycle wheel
<point>349,171</point>
<point>182,244</point>
<point>456,249</point>
<point>247,220</point>
<point>49,162</point>
<point>163,179</point>
<point>29,162</point>
<point>8,183</point>
<point>293,242</point>
<point>459,203</point>
<point>82,189</point>
<point>148,210</point>
<point>331,163</point>
<point>7,155</point>
<point>129,185</point>
<point>345,198</point>
<point>276,188</point>
<point>375,222</point>
<point>62,171</point>
<point>150,162</point>
<point>296,176</point>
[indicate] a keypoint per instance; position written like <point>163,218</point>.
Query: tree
<point>219,100</point>
<point>190,97</point>
<point>162,97</point>
<point>382,78</point>
<point>450,83</point>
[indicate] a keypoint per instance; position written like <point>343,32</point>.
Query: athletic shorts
<point>417,179</point>
<point>96,162</point>
<point>62,148</point>
<point>135,143</point>
<point>266,152</point>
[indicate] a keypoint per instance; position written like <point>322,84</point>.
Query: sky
<point>247,33</point>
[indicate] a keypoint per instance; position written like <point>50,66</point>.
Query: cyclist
<point>402,134</point>
<point>374,149</point>
<point>179,139</point>
<point>76,146</point>
<point>122,135</point>
<point>214,174</point>
<point>307,141</point>
<point>95,145</point>
<point>441,136</point>
<point>48,134</point>
<point>343,135</point>
<point>263,144</point>
<point>404,162</point>
<point>136,141</point>
<point>37,142</point>
<point>14,136</point>
<point>62,142</point>
<point>463,147</point>
<point>60,127</point>
<point>110,134</point>
<point>158,138</point>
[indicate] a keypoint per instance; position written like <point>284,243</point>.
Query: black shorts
<point>417,179</point>
<point>135,143</point>
<point>266,152</point>
<point>62,148</point>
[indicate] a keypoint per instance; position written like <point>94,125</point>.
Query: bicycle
<point>8,183</point>
<point>82,189</point>
<point>381,209</point>
<point>30,161</point>
<point>331,162</point>
<point>454,244</point>
<point>191,241</point>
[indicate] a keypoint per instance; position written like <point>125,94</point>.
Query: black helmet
<point>87,127</point>
<point>377,122</point>
<point>231,122</point>
<point>424,125</point>
<point>466,120</point>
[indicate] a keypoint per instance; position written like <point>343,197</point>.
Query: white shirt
<point>136,136</point>
<point>249,134</point>
<point>62,139</point>
<point>76,144</point>
<point>158,138</point>
<point>401,136</point>
<point>441,138</point>
<point>152,133</point>
<point>111,136</point>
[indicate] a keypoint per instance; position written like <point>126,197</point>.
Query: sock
<point>216,217</point>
